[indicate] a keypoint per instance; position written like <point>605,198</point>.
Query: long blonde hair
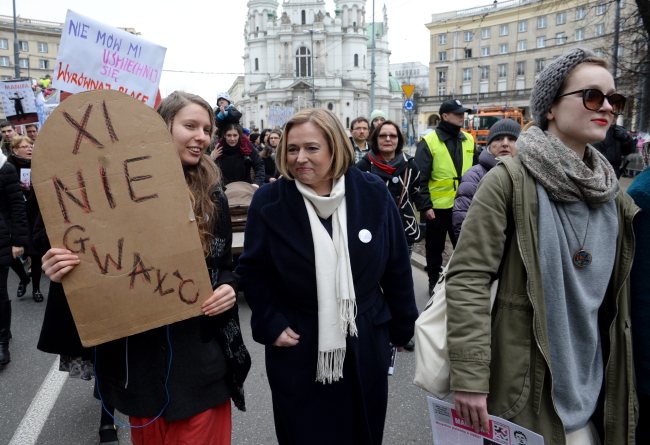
<point>201,178</point>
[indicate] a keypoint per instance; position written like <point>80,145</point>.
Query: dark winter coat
<point>209,364</point>
<point>640,280</point>
<point>278,277</point>
<point>467,188</point>
<point>413,192</point>
<point>13,216</point>
<point>617,143</point>
<point>237,167</point>
<point>31,205</point>
<point>269,168</point>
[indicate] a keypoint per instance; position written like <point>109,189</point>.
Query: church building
<point>301,56</point>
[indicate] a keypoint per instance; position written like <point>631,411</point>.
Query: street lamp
<point>313,82</point>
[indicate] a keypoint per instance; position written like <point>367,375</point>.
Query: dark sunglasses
<point>593,99</point>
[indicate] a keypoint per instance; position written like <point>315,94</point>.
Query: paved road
<point>74,416</point>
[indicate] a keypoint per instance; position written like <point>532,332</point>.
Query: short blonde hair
<point>334,133</point>
<point>17,140</point>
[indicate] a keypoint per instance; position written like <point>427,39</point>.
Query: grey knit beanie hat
<point>548,83</point>
<point>504,127</point>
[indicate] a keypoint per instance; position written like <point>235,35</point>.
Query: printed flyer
<point>450,429</point>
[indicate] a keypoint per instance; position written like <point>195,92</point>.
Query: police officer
<point>443,156</point>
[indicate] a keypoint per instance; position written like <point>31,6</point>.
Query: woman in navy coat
<point>317,399</point>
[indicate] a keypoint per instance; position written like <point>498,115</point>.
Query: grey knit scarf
<point>565,176</point>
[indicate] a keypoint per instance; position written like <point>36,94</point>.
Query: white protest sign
<point>96,56</point>
<point>26,176</point>
<point>280,115</point>
<point>18,101</point>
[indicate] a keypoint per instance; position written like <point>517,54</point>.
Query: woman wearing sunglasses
<point>555,355</point>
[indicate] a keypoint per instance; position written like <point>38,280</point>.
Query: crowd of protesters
<point>326,270</point>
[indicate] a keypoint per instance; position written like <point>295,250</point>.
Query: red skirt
<point>211,427</point>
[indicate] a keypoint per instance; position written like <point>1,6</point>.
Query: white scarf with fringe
<point>337,306</point>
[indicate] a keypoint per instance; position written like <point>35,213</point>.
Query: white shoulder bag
<point>431,357</point>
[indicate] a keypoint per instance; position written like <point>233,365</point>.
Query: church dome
<point>395,85</point>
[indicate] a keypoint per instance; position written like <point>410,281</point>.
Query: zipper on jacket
<point>618,293</point>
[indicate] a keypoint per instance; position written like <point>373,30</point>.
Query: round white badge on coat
<point>395,180</point>
<point>365,236</point>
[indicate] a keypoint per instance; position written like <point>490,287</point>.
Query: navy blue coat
<point>279,280</point>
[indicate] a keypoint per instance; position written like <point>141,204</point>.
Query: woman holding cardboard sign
<point>210,361</point>
<point>327,275</point>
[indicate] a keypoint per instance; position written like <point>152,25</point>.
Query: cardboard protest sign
<point>111,188</point>
<point>96,56</point>
<point>18,102</point>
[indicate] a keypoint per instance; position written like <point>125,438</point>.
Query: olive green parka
<point>506,353</point>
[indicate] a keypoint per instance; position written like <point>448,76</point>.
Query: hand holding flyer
<point>449,428</point>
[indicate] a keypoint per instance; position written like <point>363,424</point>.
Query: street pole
<point>372,63</point>
<point>16,53</point>
<point>617,27</point>
<point>313,84</point>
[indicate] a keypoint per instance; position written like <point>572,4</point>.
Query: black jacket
<point>617,143</point>
<point>237,167</point>
<point>209,359</point>
<point>13,216</point>
<point>413,192</point>
<point>31,205</point>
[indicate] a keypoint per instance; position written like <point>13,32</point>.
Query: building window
<point>23,46</point>
<point>561,18</point>
<point>3,78</point>
<point>599,52</point>
<point>521,45</point>
<point>503,70</point>
<point>600,30</point>
<point>621,25</point>
<point>560,38</point>
<point>356,60</point>
<point>523,26</point>
<point>4,44</point>
<point>467,74</point>
<point>580,13</point>
<point>485,72</point>
<point>304,17</point>
<point>503,30</point>
<point>521,68</point>
<point>468,53</point>
<point>4,61</point>
<point>485,33</point>
<point>539,65</point>
<point>469,35</point>
<point>503,48</point>
<point>23,63</point>
<point>442,56</point>
<point>442,90</point>
<point>442,76</point>
<point>303,62</point>
<point>541,42</point>
<point>442,39</point>
<point>580,34</point>
<point>42,47</point>
<point>257,64</point>
<point>44,64</point>
<point>541,22</point>
<point>485,51</point>
<point>601,8</point>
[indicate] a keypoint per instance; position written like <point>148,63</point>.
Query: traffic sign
<point>408,90</point>
<point>409,105</point>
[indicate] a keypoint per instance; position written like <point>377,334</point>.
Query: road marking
<point>32,424</point>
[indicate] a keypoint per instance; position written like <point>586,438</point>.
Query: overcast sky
<point>208,35</point>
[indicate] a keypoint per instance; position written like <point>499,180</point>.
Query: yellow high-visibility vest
<point>444,179</point>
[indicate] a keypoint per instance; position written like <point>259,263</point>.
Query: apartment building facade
<point>491,55</point>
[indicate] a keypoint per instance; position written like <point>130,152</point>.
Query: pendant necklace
<point>581,258</point>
